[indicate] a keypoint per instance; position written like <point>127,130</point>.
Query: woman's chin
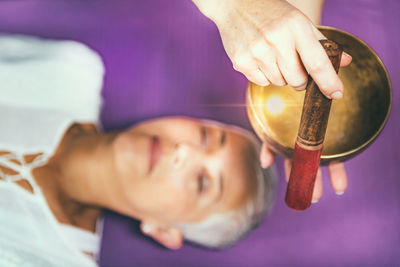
<point>131,155</point>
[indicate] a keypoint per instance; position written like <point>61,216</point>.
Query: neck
<point>85,169</point>
<point>76,180</point>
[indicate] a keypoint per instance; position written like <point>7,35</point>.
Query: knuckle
<point>300,79</point>
<point>274,35</point>
<point>294,17</point>
<point>282,29</point>
<point>258,78</point>
<point>277,80</point>
<point>329,86</point>
<point>276,30</point>
<point>317,67</point>
<point>298,22</point>
<point>299,83</point>
<point>241,62</point>
<point>257,48</point>
<point>235,67</point>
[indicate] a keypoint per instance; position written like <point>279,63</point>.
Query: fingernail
<point>337,95</point>
<point>147,229</point>
<point>347,55</point>
<point>314,201</point>
<point>264,163</point>
<point>264,166</point>
<point>339,193</point>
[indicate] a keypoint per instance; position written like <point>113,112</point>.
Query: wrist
<point>212,9</point>
<point>311,8</point>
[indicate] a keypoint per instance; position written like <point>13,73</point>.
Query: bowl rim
<point>383,124</point>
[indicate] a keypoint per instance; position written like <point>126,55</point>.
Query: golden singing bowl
<point>354,122</point>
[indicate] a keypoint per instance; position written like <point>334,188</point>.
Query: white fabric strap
<point>5,160</point>
<point>81,239</point>
<point>24,171</point>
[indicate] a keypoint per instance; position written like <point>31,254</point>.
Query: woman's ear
<point>168,236</point>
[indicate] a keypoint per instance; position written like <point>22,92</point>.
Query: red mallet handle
<point>310,138</point>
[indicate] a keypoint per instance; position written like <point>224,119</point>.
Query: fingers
<point>281,65</point>
<point>287,58</point>
<point>317,193</point>
<point>318,65</point>
<point>245,64</point>
<point>267,63</point>
<point>258,77</point>
<point>289,63</point>
<point>273,74</point>
<point>292,68</point>
<point>338,177</point>
<point>266,156</point>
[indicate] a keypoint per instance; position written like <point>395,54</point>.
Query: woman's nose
<point>184,153</point>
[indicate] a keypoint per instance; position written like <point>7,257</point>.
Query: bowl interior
<point>354,122</point>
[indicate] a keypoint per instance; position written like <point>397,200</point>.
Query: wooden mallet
<point>310,138</point>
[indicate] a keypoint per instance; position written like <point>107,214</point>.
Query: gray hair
<point>223,230</point>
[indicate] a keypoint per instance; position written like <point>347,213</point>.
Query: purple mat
<point>164,58</point>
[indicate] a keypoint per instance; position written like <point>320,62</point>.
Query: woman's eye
<point>204,137</point>
<point>202,183</point>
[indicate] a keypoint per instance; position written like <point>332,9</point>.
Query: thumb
<point>345,60</point>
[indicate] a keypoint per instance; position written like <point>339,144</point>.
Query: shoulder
<point>53,74</point>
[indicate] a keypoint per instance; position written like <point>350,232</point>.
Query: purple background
<point>163,58</point>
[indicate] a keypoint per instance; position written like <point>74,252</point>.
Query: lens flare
<point>274,105</point>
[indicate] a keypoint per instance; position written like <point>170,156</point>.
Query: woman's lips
<point>155,152</point>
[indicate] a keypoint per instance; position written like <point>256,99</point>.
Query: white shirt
<point>45,86</point>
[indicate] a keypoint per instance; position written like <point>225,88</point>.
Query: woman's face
<point>182,170</point>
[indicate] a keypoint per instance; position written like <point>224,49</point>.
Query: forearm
<point>214,8</point>
<point>311,8</point>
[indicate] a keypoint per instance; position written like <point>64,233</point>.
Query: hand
<point>271,41</point>
<point>337,173</point>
